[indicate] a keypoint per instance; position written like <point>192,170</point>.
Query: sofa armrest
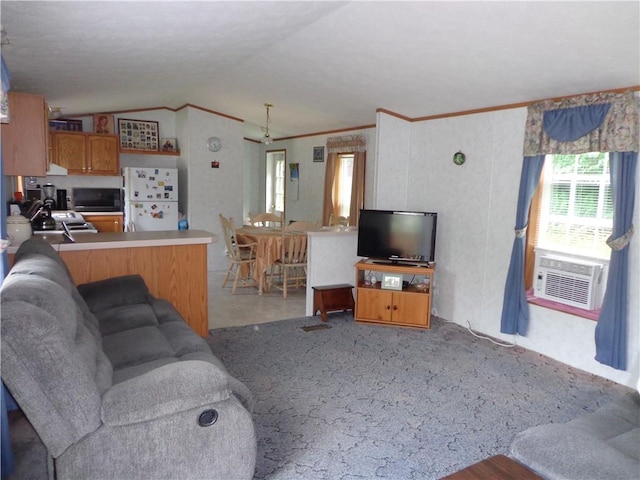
<point>562,452</point>
<point>115,291</point>
<point>169,389</point>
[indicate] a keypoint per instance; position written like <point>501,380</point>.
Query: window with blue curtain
<point>603,122</point>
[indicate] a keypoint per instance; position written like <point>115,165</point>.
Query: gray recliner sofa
<point>113,380</point>
<point>604,444</point>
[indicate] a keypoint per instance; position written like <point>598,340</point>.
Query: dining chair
<point>337,220</point>
<point>267,219</point>
<point>241,257</point>
<point>291,267</point>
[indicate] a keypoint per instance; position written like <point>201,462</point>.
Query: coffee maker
<point>49,191</point>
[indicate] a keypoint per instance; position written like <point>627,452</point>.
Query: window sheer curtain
<point>357,145</point>
<point>601,122</point>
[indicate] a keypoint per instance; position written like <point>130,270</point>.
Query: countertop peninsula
<point>110,240</point>
<point>172,263</point>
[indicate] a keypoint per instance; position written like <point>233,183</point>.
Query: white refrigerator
<point>150,198</point>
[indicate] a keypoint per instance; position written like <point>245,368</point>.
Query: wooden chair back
<point>267,219</point>
<point>336,221</point>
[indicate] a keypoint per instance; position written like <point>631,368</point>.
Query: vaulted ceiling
<point>324,65</point>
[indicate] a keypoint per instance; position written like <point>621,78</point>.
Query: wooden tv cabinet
<point>405,300</point>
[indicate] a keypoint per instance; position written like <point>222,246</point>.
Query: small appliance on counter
<point>55,222</point>
<point>18,228</point>
<point>49,191</point>
<point>61,199</point>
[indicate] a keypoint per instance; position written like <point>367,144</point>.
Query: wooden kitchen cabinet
<point>86,153</point>
<point>105,223</point>
<point>24,138</point>
<point>409,306</point>
<point>103,154</point>
<point>69,151</point>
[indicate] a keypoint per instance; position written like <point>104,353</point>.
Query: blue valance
<point>569,124</point>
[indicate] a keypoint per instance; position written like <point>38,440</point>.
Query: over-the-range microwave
<point>97,199</point>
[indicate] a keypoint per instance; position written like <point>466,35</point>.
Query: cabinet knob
<point>395,307</point>
<point>388,307</point>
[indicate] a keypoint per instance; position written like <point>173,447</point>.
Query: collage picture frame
<point>138,134</point>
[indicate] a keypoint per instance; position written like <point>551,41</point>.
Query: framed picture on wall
<point>103,123</point>
<point>318,154</point>
<point>169,145</point>
<point>138,134</point>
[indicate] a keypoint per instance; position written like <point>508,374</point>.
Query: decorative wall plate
<point>459,158</point>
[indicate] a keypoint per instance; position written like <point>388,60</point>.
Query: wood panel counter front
<point>172,263</point>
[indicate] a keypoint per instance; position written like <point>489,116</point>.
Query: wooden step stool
<point>329,298</point>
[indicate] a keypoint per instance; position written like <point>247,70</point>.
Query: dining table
<point>268,249</point>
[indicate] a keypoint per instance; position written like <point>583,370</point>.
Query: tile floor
<point>246,307</point>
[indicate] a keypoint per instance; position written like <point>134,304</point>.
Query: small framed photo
<point>103,123</point>
<point>318,154</point>
<point>391,281</point>
<point>62,124</point>
<point>169,145</point>
<point>138,134</point>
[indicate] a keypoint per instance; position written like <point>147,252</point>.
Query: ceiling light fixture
<point>55,112</point>
<point>267,140</point>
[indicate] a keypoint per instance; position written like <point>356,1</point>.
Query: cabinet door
<point>374,304</point>
<point>70,152</point>
<point>24,138</point>
<point>105,223</point>
<point>103,155</point>
<point>410,308</point>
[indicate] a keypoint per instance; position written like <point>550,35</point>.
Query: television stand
<point>394,303</point>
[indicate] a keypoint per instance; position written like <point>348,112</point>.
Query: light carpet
<point>362,401</point>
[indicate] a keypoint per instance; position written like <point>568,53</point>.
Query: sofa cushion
<point>35,261</point>
<point>125,317</point>
<point>28,285</point>
<point>136,346</point>
<point>49,376</point>
<point>114,292</point>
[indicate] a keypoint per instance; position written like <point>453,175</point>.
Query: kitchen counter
<point>111,240</point>
<point>172,263</point>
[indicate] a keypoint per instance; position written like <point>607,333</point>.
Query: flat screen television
<point>397,236</point>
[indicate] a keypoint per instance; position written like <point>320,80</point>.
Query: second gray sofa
<point>601,445</point>
<point>114,381</point>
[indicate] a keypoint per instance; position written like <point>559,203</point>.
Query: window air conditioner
<point>568,281</point>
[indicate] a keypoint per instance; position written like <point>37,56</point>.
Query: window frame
<point>530,258</point>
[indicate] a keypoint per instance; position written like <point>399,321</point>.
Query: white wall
<point>300,150</point>
<point>476,205</point>
<point>211,191</point>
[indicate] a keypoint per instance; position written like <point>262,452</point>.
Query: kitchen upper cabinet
<point>70,151</point>
<point>86,153</point>
<point>25,138</point>
<point>104,156</point>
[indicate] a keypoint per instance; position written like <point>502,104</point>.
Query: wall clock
<point>214,144</point>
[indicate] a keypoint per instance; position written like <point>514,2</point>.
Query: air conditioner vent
<point>568,281</point>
